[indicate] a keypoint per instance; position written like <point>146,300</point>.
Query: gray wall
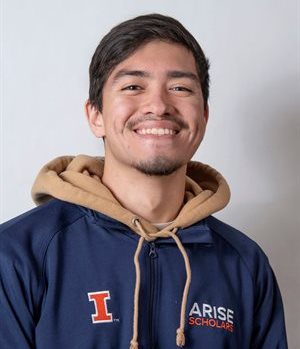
<point>253,135</point>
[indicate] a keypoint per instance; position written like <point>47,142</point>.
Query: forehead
<point>158,57</point>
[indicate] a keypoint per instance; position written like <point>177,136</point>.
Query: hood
<point>78,180</point>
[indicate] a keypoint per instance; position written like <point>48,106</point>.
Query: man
<point>123,251</point>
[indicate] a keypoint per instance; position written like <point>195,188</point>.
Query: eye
<point>181,89</point>
<point>132,88</point>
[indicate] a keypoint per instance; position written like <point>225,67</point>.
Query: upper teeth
<point>156,131</point>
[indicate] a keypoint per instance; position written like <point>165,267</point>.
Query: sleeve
<point>269,324</point>
<point>18,290</point>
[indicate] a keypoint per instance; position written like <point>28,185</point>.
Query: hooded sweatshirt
<point>82,271</point>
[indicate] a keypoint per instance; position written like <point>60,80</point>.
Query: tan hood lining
<point>78,180</point>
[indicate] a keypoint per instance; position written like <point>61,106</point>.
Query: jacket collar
<point>199,232</point>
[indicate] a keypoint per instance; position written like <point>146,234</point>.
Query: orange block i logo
<point>100,303</point>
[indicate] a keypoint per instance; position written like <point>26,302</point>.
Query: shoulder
<point>50,216</point>
<point>239,243</point>
<point>53,211</point>
<point>30,233</point>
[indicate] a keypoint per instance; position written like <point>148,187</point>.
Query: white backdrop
<point>253,134</point>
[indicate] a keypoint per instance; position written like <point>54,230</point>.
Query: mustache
<point>180,123</point>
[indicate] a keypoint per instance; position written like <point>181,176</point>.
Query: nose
<point>157,103</point>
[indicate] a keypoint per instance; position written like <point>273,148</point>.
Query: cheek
<point>195,117</point>
<point>118,111</point>
<point>190,105</point>
<point>200,129</point>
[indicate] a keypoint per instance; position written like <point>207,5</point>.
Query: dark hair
<point>125,38</point>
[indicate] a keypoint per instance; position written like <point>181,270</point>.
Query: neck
<point>157,199</point>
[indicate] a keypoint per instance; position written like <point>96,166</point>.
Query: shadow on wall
<point>270,144</point>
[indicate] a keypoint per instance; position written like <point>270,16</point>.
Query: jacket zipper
<point>153,256</point>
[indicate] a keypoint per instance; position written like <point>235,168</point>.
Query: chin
<point>160,166</point>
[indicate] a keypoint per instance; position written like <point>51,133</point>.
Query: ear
<point>95,119</point>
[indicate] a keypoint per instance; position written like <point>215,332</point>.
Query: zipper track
<point>153,256</point>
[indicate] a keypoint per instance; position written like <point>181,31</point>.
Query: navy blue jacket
<point>67,280</point>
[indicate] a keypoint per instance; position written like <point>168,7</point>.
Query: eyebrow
<point>139,73</point>
<point>182,74</point>
<point>144,74</point>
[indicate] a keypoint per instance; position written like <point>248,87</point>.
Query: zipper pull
<point>152,252</point>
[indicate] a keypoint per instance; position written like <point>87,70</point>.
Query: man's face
<point>153,115</point>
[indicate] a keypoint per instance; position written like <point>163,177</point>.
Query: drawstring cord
<point>180,337</point>
<point>134,342</point>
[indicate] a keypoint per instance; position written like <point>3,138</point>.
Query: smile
<point>156,131</point>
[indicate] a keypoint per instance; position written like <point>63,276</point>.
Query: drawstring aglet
<point>134,344</point>
<point>180,338</point>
